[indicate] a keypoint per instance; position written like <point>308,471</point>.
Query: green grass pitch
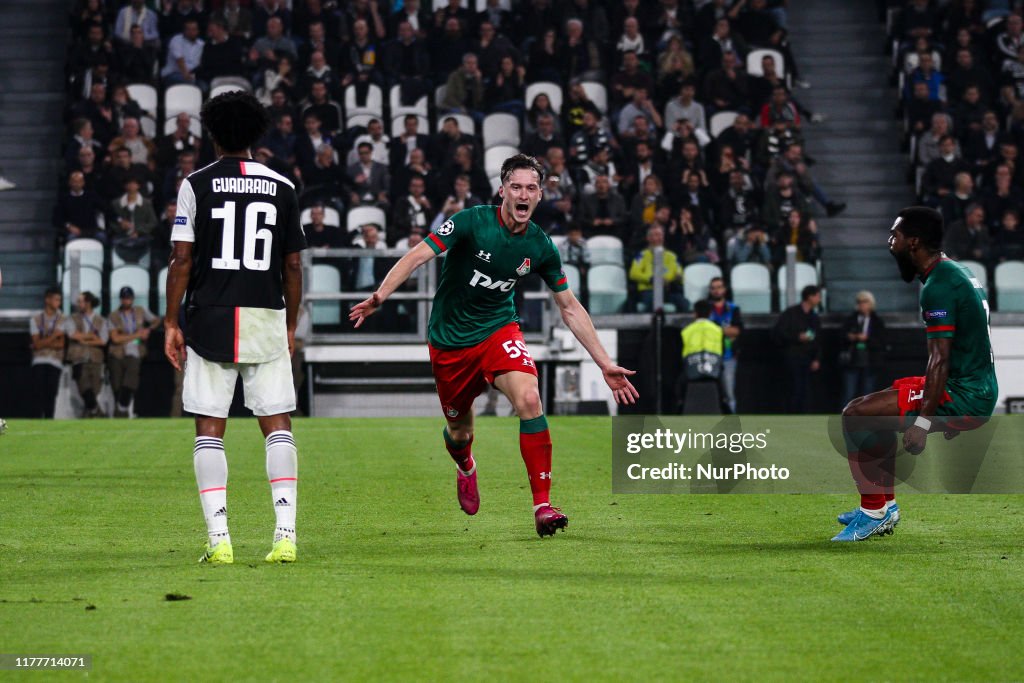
<point>99,521</point>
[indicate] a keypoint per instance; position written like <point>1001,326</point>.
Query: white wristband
<point>923,422</point>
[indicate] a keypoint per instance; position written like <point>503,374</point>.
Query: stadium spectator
<point>223,54</point>
<point>918,20</point>
<point>368,180</point>
<point>582,57</point>
<point>603,212</point>
<point>267,48</point>
<point>779,107</point>
<point>546,136</point>
<point>792,162</point>
<point>87,335</point>
<point>462,164</point>
<point>940,173</point>
<point>640,107</point>
<point>685,107</point>
<point>545,58</point>
<point>85,55</point>
<point>728,316</point>
<point>122,105</point>
<point>121,167</point>
<point>627,79</point>
<point>93,172</point>
<point>643,207</point>
<point>691,237</point>
<point>136,59</point>
<point>315,38</point>
<point>406,61</point>
<point>142,148</point>
<point>738,207</point>
<point>401,147</point>
<point>129,328</point>
<point>575,252</point>
<point>280,76</point>
<point>575,105</point>
<point>954,205</point>
<point>1001,196</point>
<point>173,20</point>
<point>47,331</point>
<point>184,53</point>
<point>920,110</point>
<point>177,141</point>
<point>280,104</point>
<point>741,136</point>
<point>641,274</point>
<point>309,141</point>
<point>968,112</point>
<point>555,208</point>
<point>359,61</point>
<point>786,197</point>
<point>416,166</point>
<point>461,197</point>
<point>77,211</point>
<point>982,146</point>
<point>323,180</point>
<point>134,223</point>
<point>412,13</point>
<point>447,140</point>
<point>447,48</point>
<point>327,111</point>
<point>266,10</point>
<point>726,88</point>
<point>491,48</point>
<point>802,232</point>
<point>411,210</point>
<point>925,72</point>
<point>798,332</point>
<point>281,141</point>
<point>508,88</point>
<point>638,166</point>
<point>928,145</point>
<point>99,113</point>
<point>501,19</point>
<point>585,142</point>
<point>631,40</point>
<point>1009,42</point>
<point>366,271</point>
<point>185,165</point>
<point>237,18</point>
<point>749,246</point>
<point>968,238</point>
<point>83,138</point>
<point>319,234</point>
<point>864,350</point>
<point>1008,244</point>
<point>721,42</point>
<point>968,72</point>
<point>464,90</point>
<point>375,136</point>
<point>599,163</point>
<point>318,70</point>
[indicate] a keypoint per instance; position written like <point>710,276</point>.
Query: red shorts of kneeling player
<point>463,374</point>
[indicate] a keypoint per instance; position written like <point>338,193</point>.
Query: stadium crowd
<point>960,68</point>
<point>395,105</point>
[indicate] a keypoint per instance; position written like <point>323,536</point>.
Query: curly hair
<point>235,120</point>
<point>518,161</point>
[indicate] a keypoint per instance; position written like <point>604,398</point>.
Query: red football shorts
<point>911,394</point>
<point>463,374</point>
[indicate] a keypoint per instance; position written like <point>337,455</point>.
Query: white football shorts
<point>210,386</point>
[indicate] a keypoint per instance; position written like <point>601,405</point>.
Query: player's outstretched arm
<point>177,282</point>
<point>398,274</point>
<point>578,320</point>
<point>915,436</point>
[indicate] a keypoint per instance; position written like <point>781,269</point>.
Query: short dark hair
<point>809,291</point>
<point>236,120</point>
<point>518,161</point>
<point>51,290</point>
<point>717,278</point>
<point>924,223</point>
<point>702,308</point>
<point>93,300</point>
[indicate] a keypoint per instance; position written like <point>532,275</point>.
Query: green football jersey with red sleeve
<point>954,306</point>
<point>483,262</point>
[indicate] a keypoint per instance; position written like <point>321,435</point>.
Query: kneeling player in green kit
<point>958,392</point>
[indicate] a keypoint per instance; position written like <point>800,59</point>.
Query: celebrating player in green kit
<point>474,335</point>
<point>957,393</point>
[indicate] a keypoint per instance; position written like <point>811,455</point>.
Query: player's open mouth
<point>522,208</point>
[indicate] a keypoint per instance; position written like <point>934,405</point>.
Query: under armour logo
<point>527,361</point>
<point>545,475</point>
<point>484,255</point>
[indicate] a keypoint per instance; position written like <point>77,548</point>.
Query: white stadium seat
<point>398,109</point>
<point>239,83</point>
<point>361,215</point>
<point>751,285</point>
<point>90,280</point>
<point>135,277</point>
<point>978,269</point>
<point>145,96</point>
<point>495,157</point>
<point>1009,282</point>
<point>195,126</point>
<point>331,216</point>
<point>697,278</point>
<point>183,97</point>
<point>466,123</point>
<point>325,278</point>
<point>552,90</point>
<point>606,285</point>
<point>374,104</point>
<point>90,252</point>
<point>754,58</point>
<point>501,129</point>
<point>605,249</point>
<point>572,276</point>
<point>720,121</point>
<point>598,94</point>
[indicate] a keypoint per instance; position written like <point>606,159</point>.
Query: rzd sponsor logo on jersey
<point>482,280</point>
